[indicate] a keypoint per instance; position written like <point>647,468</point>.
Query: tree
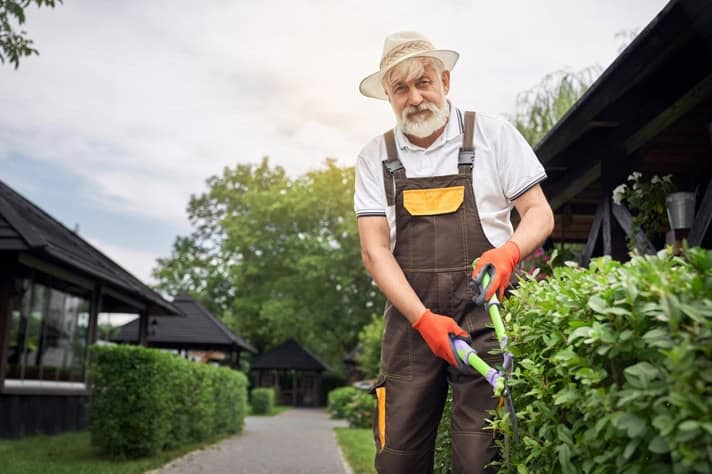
<point>539,108</point>
<point>369,343</point>
<point>15,44</point>
<point>277,257</point>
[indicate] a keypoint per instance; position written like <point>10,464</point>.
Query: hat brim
<point>371,86</point>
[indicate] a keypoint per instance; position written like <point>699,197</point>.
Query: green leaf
<point>641,374</point>
<point>633,424</point>
<point>565,459</point>
<point>689,425</point>
<point>597,304</point>
<point>658,337</point>
<point>658,445</point>
<point>566,396</point>
<point>664,424</point>
<point>630,448</point>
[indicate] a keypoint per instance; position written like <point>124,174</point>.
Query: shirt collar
<point>453,129</point>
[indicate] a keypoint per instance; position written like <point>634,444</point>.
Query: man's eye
<point>400,89</point>
<point>424,82</point>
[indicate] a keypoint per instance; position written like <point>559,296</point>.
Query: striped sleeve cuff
<point>528,186</point>
<point>371,213</point>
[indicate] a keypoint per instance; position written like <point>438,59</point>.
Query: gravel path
<point>298,441</point>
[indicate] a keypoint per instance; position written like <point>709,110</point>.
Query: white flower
<point>655,179</point>
<point>634,176</point>
<point>619,193</point>
<point>667,178</point>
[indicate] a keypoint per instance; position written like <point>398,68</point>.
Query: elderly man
<point>433,194</point>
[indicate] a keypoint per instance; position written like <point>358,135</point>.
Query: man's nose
<point>414,96</point>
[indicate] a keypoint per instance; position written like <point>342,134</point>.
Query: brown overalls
<point>438,235</point>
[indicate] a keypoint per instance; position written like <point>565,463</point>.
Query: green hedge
<point>144,400</point>
<point>337,401</point>
<point>355,406</point>
<point>262,401</point>
<point>613,368</point>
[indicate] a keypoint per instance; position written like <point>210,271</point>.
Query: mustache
<point>413,109</point>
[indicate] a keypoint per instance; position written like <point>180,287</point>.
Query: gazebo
<point>650,111</point>
<point>293,371</point>
<point>199,330</point>
<point>53,285</point>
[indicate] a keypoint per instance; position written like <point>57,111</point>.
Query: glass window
<point>49,333</point>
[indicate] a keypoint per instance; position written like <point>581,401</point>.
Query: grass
<point>359,450</point>
<point>276,410</point>
<point>71,453</point>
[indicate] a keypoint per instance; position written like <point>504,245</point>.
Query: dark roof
<point>659,76</point>
<point>198,330</point>
<point>289,355</point>
<point>26,227</point>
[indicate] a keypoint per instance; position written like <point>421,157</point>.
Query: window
<point>49,333</point>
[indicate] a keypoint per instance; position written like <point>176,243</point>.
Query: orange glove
<point>503,259</point>
<point>436,330</point>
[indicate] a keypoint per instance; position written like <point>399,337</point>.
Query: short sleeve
<point>518,167</point>
<point>369,197</point>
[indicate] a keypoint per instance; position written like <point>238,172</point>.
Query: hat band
<point>404,49</point>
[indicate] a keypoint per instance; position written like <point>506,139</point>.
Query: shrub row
<point>145,400</point>
<point>614,368</point>
<point>263,401</point>
<point>354,405</point>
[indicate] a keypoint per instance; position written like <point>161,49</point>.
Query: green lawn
<point>71,453</point>
<point>359,450</point>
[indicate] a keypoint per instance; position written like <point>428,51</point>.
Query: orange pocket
<point>381,396</point>
<point>431,202</point>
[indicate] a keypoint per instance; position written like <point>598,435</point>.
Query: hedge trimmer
<point>468,358</point>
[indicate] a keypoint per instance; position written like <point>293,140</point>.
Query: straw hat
<point>397,48</point>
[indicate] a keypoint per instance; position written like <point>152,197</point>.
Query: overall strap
<point>466,157</point>
<point>392,167</point>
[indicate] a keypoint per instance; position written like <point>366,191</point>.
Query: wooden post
<point>95,306</point>
<point>702,218</point>
<point>143,327</point>
<point>592,237</point>
<point>295,374</point>
<point>6,298</point>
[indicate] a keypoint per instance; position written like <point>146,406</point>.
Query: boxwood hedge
<point>614,368</point>
<point>263,400</point>
<point>144,400</point>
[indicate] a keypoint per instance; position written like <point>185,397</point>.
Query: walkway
<point>298,441</point>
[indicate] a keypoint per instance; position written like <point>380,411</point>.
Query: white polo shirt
<point>505,168</point>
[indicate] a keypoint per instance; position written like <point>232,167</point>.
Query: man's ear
<point>445,77</point>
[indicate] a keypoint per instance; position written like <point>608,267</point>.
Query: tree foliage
<point>276,257</point>
<point>15,43</point>
<point>539,108</point>
<point>369,340</point>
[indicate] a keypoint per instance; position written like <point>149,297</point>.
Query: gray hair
<point>412,68</point>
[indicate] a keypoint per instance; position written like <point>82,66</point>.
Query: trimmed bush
<point>230,401</point>
<point>144,400</point>
<point>130,404</point>
<point>613,368</point>
<point>360,410</point>
<point>338,399</point>
<point>615,371</point>
<point>262,401</point>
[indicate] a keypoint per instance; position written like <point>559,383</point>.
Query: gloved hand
<point>503,259</point>
<point>436,330</point>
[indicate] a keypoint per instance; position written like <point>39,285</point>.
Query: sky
<point>132,105</point>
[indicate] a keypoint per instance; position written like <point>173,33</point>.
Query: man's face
<point>417,101</point>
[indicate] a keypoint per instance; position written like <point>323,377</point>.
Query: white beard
<point>424,128</point>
